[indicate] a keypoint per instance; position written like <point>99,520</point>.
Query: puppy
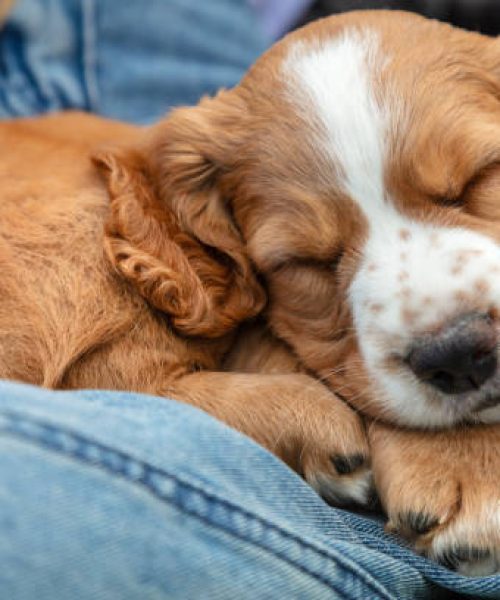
<point>359,161</point>
<point>355,168</point>
<point>103,286</point>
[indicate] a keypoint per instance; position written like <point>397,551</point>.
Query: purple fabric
<point>278,16</point>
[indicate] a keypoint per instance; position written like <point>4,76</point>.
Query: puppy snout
<point>459,358</point>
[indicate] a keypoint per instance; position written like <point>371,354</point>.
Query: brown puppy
<point>362,183</point>
<point>116,295</point>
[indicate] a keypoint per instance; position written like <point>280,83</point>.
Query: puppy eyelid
<point>446,202</point>
<point>477,178</point>
<point>300,261</point>
<point>333,263</point>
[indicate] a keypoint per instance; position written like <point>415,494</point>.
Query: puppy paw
<point>441,490</point>
<point>342,480</point>
<point>296,418</point>
<point>334,455</point>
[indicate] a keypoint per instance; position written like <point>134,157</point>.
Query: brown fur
<point>272,181</point>
<point>103,286</point>
<point>450,476</point>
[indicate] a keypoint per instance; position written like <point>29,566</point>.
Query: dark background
<point>477,15</point>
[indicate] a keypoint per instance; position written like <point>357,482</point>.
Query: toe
<point>355,488</point>
<point>344,465</point>
<point>469,560</point>
<point>413,523</point>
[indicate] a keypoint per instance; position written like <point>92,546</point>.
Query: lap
<point>121,495</point>
<point>131,64</point>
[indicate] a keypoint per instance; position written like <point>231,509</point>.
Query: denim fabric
<point>110,495</point>
<point>127,59</point>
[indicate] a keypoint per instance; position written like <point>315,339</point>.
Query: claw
<point>419,522</point>
<point>344,465</point>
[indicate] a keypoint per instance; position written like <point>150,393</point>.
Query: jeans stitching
<point>100,457</point>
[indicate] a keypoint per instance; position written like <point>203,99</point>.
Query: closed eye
<point>451,202</point>
<point>334,262</point>
<point>481,177</point>
<point>330,264</point>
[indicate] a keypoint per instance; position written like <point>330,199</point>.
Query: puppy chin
<point>488,416</point>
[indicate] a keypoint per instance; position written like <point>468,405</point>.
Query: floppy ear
<point>170,232</point>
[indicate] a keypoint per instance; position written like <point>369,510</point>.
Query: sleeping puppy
<point>360,182</point>
<point>103,286</point>
<point>359,160</point>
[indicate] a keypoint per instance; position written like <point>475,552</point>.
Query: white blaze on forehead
<point>412,275</point>
<point>332,82</point>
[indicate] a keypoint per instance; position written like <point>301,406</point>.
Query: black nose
<point>459,358</point>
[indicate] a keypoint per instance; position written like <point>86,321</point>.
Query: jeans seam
<point>46,435</point>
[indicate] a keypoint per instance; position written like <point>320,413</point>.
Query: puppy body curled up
<point>346,190</point>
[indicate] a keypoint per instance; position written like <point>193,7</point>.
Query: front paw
<point>441,490</point>
<point>333,454</point>
<point>342,480</point>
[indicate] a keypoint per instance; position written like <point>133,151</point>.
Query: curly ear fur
<point>170,235</point>
<point>190,152</point>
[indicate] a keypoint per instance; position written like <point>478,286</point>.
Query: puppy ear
<point>192,155</point>
<point>202,279</point>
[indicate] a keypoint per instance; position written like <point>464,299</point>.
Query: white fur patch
<point>414,277</point>
<point>334,82</point>
<point>416,286</point>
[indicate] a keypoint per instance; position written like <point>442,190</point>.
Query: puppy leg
<point>441,489</point>
<point>297,419</point>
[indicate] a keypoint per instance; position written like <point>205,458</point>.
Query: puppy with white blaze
<point>346,193</point>
<point>410,148</point>
<point>365,180</point>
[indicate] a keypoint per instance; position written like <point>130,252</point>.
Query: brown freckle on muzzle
<point>462,259</point>
<point>372,267</point>
<point>403,276</point>
<point>404,234</point>
<point>409,316</point>
<point>481,286</point>
<point>376,308</point>
<point>391,364</point>
<point>464,255</point>
<point>461,297</point>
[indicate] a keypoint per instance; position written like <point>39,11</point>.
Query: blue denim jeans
<point>126,59</point>
<point>109,495</point>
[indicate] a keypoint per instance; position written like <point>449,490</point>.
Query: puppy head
<point>359,161</point>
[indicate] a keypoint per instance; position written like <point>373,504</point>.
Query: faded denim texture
<point>110,495</point>
<point>127,59</point>
<point>119,496</point>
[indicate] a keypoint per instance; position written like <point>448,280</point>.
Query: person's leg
<point>113,495</point>
<point>129,60</point>
<point>181,50</point>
